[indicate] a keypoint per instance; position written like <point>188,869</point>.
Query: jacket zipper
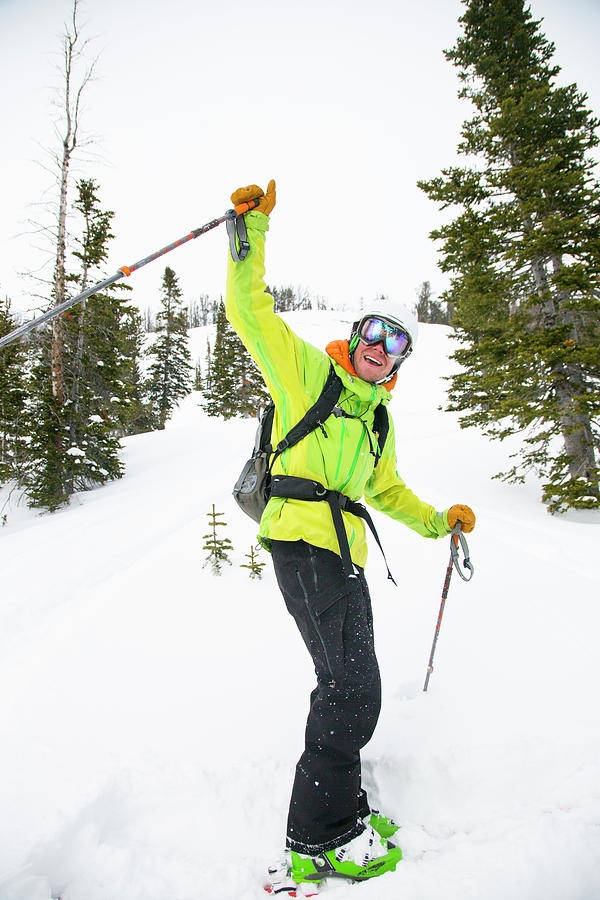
<point>360,442</point>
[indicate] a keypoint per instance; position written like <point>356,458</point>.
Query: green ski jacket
<point>339,456</point>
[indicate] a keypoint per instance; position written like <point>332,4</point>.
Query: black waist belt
<point>293,488</point>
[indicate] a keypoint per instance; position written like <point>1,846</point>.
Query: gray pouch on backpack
<point>251,490</point>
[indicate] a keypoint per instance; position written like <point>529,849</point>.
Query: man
<point>331,830</point>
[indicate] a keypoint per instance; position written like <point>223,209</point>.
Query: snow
<point>152,713</point>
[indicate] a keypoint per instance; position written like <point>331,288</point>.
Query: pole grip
<point>245,207</point>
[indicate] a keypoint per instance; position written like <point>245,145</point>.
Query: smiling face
<point>371,362</point>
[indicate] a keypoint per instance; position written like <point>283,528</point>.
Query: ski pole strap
<point>236,228</point>
<point>291,487</point>
<point>455,537</point>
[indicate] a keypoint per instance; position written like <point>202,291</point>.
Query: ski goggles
<point>374,330</point>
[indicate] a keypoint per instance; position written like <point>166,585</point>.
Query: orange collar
<point>338,350</point>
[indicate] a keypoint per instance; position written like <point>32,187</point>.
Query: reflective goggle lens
<point>395,342</point>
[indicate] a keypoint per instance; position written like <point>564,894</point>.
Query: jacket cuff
<point>257,220</point>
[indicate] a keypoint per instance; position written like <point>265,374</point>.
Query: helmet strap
<point>395,368</point>
<point>353,344</point>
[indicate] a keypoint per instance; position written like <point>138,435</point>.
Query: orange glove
<point>253,192</point>
<point>465,514</point>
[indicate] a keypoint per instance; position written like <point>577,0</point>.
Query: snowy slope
<point>152,714</point>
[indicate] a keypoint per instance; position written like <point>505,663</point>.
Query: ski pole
<point>453,562</point>
<point>231,214</point>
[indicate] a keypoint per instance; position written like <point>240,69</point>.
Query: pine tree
<point>12,400</point>
<point>198,383</point>
<point>91,355</point>
<point>208,376</point>
<point>217,548</point>
<point>75,443</point>
<point>134,413</point>
<point>48,468</point>
<point>169,377</point>
<point>221,395</point>
<point>523,253</point>
<point>236,386</point>
<point>254,564</point>
<point>252,391</point>
<point>429,310</point>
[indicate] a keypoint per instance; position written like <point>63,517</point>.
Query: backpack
<point>253,487</point>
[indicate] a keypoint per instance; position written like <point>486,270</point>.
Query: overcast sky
<point>346,105</point>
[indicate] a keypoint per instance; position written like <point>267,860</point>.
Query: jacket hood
<point>339,351</point>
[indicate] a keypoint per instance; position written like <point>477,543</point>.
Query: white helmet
<point>396,314</point>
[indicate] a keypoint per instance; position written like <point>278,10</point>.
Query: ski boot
<point>281,883</point>
<point>383,825</point>
<point>366,856</point>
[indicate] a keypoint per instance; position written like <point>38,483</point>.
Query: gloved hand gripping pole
<point>230,215</point>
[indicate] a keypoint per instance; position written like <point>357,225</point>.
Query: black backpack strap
<point>381,427</point>
<point>262,443</point>
<point>313,417</point>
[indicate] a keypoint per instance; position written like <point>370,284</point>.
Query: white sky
<point>346,105</point>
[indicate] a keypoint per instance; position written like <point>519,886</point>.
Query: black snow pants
<point>335,620</point>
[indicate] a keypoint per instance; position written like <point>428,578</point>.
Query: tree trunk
<point>72,49</point>
<point>56,354</point>
<point>78,358</point>
<point>575,424</point>
<point>576,427</point>
<point>69,143</point>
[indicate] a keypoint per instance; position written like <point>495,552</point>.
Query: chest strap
<point>292,487</point>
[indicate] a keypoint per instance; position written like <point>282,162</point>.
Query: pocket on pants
<point>325,597</point>
<point>316,593</point>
